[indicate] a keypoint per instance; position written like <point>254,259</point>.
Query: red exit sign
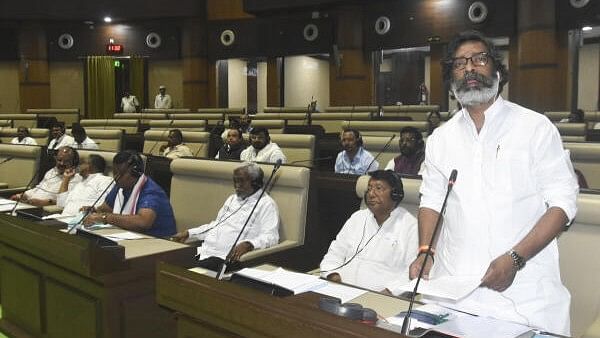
<point>113,49</point>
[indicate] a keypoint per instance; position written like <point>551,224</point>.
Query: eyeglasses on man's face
<point>478,60</point>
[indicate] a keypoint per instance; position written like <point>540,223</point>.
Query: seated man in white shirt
<point>59,138</point>
<point>219,235</point>
<point>354,159</point>
<point>23,137</point>
<point>46,192</point>
<point>93,185</point>
<point>262,149</point>
<point>81,140</point>
<point>175,147</point>
<point>376,245</point>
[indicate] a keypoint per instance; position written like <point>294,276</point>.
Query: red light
<point>112,48</point>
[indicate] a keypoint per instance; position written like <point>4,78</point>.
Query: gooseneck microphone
<point>429,253</point>
<point>20,199</point>
<point>385,147</point>
<point>87,212</point>
<point>318,159</point>
<point>266,186</point>
<point>10,158</point>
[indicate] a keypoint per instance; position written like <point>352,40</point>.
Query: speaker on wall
<point>227,37</point>
<point>310,32</point>
<point>65,41</point>
<point>478,12</point>
<point>153,40</point>
<point>382,25</point>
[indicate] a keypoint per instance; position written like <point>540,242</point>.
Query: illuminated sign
<point>114,49</point>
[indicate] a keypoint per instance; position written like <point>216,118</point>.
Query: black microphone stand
<point>387,145</point>
<point>36,174</point>
<point>161,137</point>
<point>227,258</point>
<point>451,181</point>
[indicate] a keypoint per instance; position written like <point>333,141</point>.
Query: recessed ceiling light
<point>107,19</point>
<point>586,28</point>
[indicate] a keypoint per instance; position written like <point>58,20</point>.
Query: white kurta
<point>62,141</point>
<point>163,102</point>
<point>88,143</point>
<point>26,140</point>
<point>385,252</point>
<point>270,154</point>
<point>180,150</point>
<point>129,104</point>
<point>508,176</point>
<point>49,186</point>
<point>262,230</point>
<point>84,193</point>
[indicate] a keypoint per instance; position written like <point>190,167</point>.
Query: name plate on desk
<point>262,286</point>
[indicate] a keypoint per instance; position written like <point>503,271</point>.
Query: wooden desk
<point>58,285</point>
<point>206,307</point>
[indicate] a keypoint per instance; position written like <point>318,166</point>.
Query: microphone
<point>451,182</point>
<point>89,210</point>
<point>10,158</point>
<point>221,271</point>
<point>161,137</point>
<point>198,151</point>
<point>385,147</point>
<point>37,172</point>
<point>312,160</point>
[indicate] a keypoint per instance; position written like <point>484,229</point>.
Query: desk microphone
<point>89,210</point>
<point>318,159</point>
<point>266,186</point>
<point>161,137</point>
<point>451,182</point>
<point>10,158</point>
<point>385,147</point>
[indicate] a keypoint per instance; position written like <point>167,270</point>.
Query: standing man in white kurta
<point>376,245</point>
<point>513,196</point>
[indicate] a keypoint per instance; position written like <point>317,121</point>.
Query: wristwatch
<point>518,260</point>
<point>104,218</point>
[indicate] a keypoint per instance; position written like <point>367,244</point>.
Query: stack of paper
<point>293,281</point>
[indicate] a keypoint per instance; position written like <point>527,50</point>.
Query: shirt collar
<point>491,115</point>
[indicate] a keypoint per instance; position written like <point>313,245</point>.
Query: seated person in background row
<point>233,147</point>
<point>219,235</point>
<point>93,182</point>
<point>23,137</point>
<point>354,159</point>
<point>434,120</point>
<point>376,245</point>
<point>576,116</point>
<point>175,147</point>
<point>81,140</point>
<point>46,192</point>
<point>129,103</point>
<point>412,152</point>
<point>262,149</point>
<point>59,138</point>
<point>136,202</point>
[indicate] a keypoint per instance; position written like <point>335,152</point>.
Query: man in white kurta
<point>162,99</point>
<point>370,254</point>
<point>262,149</point>
<point>513,195</point>
<point>59,138</point>
<point>219,235</point>
<point>23,137</point>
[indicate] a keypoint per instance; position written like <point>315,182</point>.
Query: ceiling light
<point>107,19</point>
<point>586,28</point>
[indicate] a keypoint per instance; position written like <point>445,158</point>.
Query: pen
<point>497,150</point>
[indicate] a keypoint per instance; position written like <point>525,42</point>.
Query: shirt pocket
<point>513,174</point>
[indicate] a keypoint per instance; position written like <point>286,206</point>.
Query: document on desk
<point>447,287</point>
<point>294,281</point>
<point>125,235</point>
<point>342,292</point>
<point>474,327</point>
<point>8,205</point>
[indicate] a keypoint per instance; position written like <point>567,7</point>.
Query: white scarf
<point>130,207</point>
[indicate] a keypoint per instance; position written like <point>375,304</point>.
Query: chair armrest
<point>594,330</point>
<point>53,209</point>
<point>267,251</point>
<point>11,191</point>
<point>3,185</point>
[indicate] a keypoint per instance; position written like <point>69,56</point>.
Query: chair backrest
<point>129,126</point>
<point>213,118</point>
<point>66,115</point>
<point>285,109</point>
<point>411,108</point>
<point>222,111</point>
<point>187,125</point>
<point>332,122</point>
<point>5,123</point>
<point>580,263</point>
<point>197,141</point>
<point>375,144</point>
<point>383,128</point>
<point>142,117</point>
<point>166,111</point>
<point>38,134</point>
<point>24,164</point>
<point>107,156</point>
<point>25,120</point>
<point>412,197</point>
<point>194,179</point>
<point>107,140</point>
<point>274,126</point>
<point>586,158</point>
<point>556,116</point>
<point>572,132</point>
<point>352,109</point>
<point>296,147</point>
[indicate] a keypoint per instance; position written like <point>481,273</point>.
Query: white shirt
<point>88,143</point>
<point>26,140</point>
<point>384,253</point>
<point>84,193</point>
<point>262,230</point>
<point>180,150</point>
<point>129,104</point>
<point>508,176</point>
<point>362,163</point>
<point>64,140</point>
<point>48,187</point>
<point>163,102</point>
<point>270,154</point>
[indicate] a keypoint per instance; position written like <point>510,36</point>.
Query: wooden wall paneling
<point>10,46</point>
<point>274,82</point>
<point>225,10</point>
<point>438,93</point>
<point>285,36</point>
<point>195,64</point>
<point>268,6</point>
<point>245,42</point>
<point>34,79</point>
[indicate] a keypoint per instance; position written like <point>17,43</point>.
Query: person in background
<point>262,149</point>
<point>129,103</point>
<point>434,120</point>
<point>412,152</point>
<point>175,147</point>
<point>59,138</point>
<point>162,99</point>
<point>354,159</point>
<point>23,137</point>
<point>81,140</point>
<point>233,147</point>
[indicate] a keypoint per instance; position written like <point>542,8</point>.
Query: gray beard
<point>475,97</point>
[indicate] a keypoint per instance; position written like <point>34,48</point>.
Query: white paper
<point>447,287</point>
<point>6,201</point>
<point>60,217</point>
<point>9,206</point>
<point>343,292</point>
<point>294,281</point>
<point>126,235</point>
<point>435,309</point>
<point>475,327</point>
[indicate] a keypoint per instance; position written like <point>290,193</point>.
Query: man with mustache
<point>514,194</point>
<point>412,152</point>
<point>354,159</point>
<point>261,148</point>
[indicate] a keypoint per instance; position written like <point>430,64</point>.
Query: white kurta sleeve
<point>340,249</point>
<point>201,231</point>
<point>433,186</point>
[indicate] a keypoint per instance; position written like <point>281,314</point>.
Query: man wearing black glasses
<point>514,194</point>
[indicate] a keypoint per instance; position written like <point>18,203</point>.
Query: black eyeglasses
<point>478,60</point>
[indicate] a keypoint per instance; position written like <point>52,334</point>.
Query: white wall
<point>261,100</point>
<point>9,95</point>
<point>589,63</point>
<point>237,83</point>
<point>306,78</point>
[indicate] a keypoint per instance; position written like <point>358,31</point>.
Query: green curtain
<point>136,78</point>
<point>100,87</point>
